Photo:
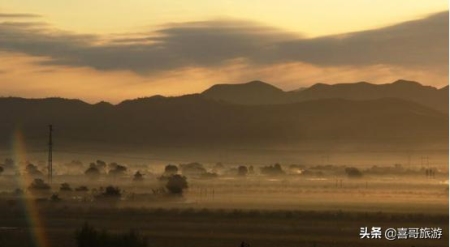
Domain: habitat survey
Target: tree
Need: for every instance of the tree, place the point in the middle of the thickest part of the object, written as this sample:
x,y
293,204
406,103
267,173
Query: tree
x,y
138,176
353,172
242,170
112,165
118,170
272,170
112,192
55,198
33,170
101,165
39,184
192,169
170,170
176,184
65,187
92,171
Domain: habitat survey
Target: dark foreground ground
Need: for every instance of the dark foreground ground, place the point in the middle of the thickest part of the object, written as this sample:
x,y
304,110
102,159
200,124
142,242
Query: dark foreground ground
x,y
211,227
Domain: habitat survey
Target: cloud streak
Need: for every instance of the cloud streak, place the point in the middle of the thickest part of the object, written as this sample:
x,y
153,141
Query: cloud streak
x,y
18,15
421,44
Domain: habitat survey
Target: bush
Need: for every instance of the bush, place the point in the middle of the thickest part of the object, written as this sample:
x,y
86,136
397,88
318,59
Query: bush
x,y
100,164
82,189
242,170
272,170
111,192
33,170
176,184
65,187
118,170
170,169
88,236
92,171
55,198
192,169
39,184
138,176
353,172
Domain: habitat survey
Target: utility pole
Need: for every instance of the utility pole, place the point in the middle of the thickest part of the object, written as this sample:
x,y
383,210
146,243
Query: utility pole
x,y
50,155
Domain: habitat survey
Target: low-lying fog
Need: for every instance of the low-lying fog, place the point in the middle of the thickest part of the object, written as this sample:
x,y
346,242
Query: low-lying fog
x,y
376,181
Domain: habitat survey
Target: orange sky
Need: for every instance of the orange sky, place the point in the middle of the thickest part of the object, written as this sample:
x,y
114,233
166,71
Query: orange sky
x,y
136,48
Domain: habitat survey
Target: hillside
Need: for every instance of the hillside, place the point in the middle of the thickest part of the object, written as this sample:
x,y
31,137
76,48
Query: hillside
x,y
195,120
257,93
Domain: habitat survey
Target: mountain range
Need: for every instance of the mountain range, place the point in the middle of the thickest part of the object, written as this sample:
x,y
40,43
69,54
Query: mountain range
x,y
254,113
257,93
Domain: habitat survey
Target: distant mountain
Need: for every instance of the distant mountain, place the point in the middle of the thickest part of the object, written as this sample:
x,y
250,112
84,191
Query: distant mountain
x,y
194,120
256,93
407,90
251,93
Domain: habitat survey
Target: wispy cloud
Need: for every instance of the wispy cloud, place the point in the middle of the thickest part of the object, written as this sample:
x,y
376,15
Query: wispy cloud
x,y
422,43
18,15
415,43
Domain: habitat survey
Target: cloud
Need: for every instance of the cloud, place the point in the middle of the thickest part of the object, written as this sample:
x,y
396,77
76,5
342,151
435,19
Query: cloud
x,y
421,43
18,15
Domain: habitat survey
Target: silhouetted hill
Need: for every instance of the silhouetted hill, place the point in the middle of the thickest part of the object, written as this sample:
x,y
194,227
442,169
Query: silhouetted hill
x,y
251,93
407,90
262,93
194,120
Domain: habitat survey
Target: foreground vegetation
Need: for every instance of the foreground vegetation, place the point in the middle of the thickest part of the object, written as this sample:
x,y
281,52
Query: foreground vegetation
x,y
208,227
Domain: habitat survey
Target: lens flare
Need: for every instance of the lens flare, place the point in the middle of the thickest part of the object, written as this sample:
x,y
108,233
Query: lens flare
x,y
36,227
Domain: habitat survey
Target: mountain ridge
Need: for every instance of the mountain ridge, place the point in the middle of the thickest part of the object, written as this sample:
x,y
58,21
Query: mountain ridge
x,y
403,89
192,120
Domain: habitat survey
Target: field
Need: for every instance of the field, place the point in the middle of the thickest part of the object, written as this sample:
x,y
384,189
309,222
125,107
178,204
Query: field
x,y
308,205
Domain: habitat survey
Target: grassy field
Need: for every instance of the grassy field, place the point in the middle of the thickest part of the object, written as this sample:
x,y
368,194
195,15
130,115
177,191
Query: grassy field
x,y
214,227
264,212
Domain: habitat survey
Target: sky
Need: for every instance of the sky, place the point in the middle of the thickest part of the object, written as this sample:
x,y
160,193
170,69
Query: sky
x,y
104,50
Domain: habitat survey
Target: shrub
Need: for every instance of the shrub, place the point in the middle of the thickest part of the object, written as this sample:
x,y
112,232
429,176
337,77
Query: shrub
x,y
92,171
33,170
65,187
272,170
88,236
353,172
176,184
195,169
55,198
112,191
242,170
39,184
138,176
170,169
118,170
